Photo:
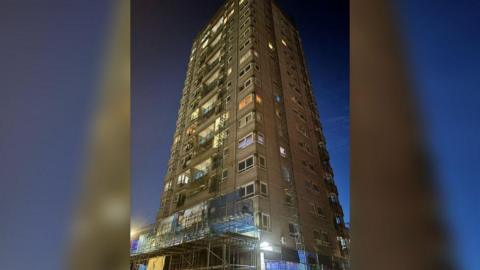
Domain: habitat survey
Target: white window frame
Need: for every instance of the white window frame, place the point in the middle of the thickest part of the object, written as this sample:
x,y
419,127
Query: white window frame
x,y
260,138
245,188
245,160
261,216
260,157
242,122
243,143
263,184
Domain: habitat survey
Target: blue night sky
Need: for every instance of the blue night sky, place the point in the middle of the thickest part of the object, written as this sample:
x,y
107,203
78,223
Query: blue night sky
x,y
161,46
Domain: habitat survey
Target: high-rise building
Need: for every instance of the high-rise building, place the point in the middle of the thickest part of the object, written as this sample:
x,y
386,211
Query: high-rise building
x,y
249,182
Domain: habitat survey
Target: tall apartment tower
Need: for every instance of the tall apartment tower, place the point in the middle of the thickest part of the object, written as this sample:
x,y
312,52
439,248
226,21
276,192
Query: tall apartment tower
x,y
249,182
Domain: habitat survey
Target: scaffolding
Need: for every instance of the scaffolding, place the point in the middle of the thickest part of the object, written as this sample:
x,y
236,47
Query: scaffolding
x,y
217,234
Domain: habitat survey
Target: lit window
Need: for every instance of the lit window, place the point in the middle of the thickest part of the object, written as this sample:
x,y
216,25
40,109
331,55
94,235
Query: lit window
x,y
258,98
260,138
284,43
270,46
168,186
217,25
283,152
247,190
213,77
205,43
194,114
217,39
245,141
246,164
245,101
202,169
183,178
209,105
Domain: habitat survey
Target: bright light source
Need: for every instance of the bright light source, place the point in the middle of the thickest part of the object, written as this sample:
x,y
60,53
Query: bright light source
x,y
266,246
270,46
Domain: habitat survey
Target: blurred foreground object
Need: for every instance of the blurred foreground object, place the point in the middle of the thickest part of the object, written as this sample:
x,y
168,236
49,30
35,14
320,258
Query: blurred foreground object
x,y
395,218
101,228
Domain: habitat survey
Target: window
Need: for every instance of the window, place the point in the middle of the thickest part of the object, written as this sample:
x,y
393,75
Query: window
x,y
247,68
224,174
194,114
264,221
278,98
261,162
244,44
283,152
286,174
246,119
246,164
245,141
284,43
180,198
217,25
168,186
214,42
247,54
260,138
258,99
270,45
244,102
293,229
246,190
202,169
208,106
247,83
263,188
183,178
